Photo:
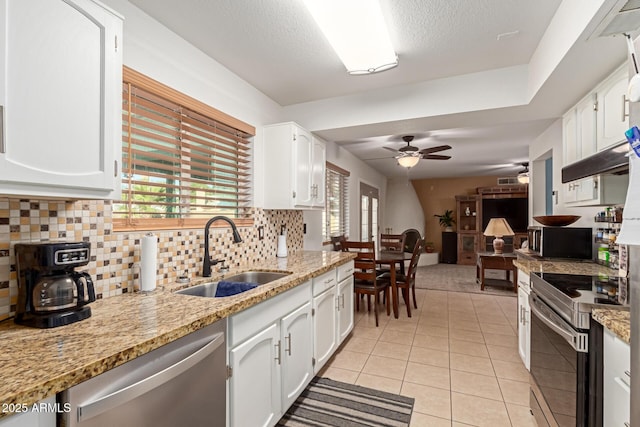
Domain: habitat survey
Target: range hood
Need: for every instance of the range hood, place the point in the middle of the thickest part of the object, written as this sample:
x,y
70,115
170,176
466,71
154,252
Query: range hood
x,y
623,17
613,160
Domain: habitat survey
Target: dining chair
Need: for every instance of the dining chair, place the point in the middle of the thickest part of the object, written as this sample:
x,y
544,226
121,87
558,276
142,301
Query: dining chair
x,y
337,241
408,282
392,242
365,276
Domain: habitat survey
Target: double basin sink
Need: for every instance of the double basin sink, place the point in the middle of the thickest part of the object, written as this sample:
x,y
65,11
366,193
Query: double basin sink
x,y
256,277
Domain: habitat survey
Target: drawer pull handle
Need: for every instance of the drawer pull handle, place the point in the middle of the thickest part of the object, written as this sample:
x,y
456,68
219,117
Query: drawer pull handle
x,y
626,424
627,373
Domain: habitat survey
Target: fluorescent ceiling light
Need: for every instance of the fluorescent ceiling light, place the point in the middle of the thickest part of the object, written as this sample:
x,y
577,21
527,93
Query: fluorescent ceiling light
x,y
408,161
357,32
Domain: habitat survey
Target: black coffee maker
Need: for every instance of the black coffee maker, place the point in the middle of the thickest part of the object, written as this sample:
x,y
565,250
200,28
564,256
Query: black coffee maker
x,y
50,292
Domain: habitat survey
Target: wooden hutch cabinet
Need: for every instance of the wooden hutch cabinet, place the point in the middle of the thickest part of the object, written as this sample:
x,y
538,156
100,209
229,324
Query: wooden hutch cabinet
x,y
470,217
468,220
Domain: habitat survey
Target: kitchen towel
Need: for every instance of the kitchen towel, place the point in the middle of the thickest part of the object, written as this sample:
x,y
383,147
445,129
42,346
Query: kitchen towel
x,y
148,262
630,230
225,289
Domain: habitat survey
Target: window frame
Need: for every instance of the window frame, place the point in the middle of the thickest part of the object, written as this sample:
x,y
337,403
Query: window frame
x,y
332,172
140,81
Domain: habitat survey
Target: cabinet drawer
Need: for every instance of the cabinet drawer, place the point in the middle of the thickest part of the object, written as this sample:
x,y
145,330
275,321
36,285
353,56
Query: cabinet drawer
x,y
617,356
345,271
324,282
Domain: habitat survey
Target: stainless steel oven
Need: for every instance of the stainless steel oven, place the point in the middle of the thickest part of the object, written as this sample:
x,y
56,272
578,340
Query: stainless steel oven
x,y
561,307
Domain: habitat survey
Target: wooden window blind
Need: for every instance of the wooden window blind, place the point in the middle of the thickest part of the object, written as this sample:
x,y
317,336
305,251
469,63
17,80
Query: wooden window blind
x,y
336,213
182,161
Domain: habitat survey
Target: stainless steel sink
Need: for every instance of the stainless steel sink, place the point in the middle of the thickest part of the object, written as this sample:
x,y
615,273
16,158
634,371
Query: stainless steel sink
x,y
259,277
209,289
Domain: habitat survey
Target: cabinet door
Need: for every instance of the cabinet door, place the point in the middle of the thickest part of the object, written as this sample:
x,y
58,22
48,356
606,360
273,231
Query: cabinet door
x,y
524,335
61,94
571,191
467,247
254,386
297,353
613,119
31,418
345,308
318,172
570,137
586,116
616,382
302,152
324,327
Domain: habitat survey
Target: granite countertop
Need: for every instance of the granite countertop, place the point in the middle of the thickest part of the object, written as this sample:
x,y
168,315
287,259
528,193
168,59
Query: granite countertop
x,y
37,363
617,321
528,263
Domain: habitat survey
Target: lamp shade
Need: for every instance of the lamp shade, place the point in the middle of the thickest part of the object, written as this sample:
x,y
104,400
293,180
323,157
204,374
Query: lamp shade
x,y
498,227
408,161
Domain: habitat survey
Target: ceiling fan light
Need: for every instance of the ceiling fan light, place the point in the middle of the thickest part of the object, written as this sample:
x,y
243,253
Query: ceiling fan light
x,y
523,177
408,161
357,32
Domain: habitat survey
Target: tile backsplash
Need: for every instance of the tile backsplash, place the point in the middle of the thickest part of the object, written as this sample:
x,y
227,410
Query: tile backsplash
x,y
115,255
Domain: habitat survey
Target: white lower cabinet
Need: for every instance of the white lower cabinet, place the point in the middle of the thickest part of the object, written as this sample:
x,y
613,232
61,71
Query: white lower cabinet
x,y
44,415
270,358
272,346
255,380
616,380
524,319
345,309
297,352
324,327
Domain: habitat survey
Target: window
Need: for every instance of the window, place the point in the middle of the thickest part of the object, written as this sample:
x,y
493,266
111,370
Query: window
x,y
335,218
182,161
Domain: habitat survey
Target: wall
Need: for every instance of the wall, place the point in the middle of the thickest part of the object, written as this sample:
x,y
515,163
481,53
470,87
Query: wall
x,y
438,194
403,209
115,255
360,172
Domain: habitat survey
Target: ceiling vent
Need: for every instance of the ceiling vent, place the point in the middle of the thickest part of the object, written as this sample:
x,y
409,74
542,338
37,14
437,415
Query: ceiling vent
x,y
624,17
508,180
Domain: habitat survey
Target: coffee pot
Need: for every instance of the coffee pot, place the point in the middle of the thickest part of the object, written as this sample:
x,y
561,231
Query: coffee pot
x,y
50,292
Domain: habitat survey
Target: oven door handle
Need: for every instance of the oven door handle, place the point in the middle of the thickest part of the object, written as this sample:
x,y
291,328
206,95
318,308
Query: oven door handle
x,y
575,339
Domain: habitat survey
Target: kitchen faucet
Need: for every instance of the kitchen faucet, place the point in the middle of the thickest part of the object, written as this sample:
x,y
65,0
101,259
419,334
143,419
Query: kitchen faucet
x,y
206,264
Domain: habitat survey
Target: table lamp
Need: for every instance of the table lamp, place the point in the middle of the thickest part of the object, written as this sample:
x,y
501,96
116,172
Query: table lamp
x,y
497,228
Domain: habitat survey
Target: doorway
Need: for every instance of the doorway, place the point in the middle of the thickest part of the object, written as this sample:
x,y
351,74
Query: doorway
x,y
369,206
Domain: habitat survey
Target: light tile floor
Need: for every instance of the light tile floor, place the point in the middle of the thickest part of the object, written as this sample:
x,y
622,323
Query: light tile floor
x,y
457,356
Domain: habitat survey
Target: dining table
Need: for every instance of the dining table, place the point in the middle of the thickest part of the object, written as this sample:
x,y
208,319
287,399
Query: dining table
x,y
393,258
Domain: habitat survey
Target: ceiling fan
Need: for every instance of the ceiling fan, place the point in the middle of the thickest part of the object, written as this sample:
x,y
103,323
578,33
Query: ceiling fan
x,y
409,155
523,175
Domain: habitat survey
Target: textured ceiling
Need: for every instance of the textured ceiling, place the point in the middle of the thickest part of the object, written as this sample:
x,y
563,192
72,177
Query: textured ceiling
x,y
276,47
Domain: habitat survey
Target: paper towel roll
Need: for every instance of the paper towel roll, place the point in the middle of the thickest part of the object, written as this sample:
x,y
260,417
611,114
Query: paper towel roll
x,y
148,262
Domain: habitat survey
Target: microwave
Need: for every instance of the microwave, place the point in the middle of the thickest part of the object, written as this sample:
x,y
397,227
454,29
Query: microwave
x,y
561,242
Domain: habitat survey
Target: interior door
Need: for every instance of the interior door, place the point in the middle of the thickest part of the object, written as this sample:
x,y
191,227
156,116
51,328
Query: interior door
x,y
369,207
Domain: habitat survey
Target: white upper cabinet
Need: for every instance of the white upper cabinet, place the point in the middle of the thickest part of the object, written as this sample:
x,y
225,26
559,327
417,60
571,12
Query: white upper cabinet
x,y
613,107
294,168
60,92
598,121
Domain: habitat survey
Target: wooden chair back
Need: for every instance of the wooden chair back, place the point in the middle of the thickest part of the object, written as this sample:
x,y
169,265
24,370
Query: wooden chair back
x,y
337,242
392,242
365,262
415,257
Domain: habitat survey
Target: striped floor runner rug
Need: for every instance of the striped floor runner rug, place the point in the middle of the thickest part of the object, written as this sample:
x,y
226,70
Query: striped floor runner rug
x,y
326,402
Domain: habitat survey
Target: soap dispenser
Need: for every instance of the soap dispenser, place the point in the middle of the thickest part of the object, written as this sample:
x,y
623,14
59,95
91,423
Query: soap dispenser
x,y
282,243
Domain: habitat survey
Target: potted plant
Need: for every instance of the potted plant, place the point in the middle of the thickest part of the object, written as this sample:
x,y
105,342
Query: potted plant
x,y
429,247
446,220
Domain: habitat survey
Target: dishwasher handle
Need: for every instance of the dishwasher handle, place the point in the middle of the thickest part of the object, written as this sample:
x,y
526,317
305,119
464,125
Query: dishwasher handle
x,y
125,394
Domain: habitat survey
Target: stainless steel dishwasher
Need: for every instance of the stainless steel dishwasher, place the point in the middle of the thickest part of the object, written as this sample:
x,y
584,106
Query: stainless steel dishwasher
x,y
182,383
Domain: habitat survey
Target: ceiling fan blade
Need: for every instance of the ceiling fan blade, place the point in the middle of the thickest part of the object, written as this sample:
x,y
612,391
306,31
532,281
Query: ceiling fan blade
x,y
435,157
390,149
378,158
435,149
